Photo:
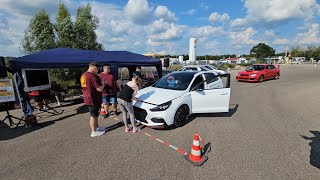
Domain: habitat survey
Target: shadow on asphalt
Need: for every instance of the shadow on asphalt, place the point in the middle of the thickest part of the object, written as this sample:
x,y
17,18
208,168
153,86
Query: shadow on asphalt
x,y
315,148
207,148
115,126
232,109
7,133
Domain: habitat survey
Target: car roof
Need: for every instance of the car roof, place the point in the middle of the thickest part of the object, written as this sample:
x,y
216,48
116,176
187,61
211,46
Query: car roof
x,y
196,65
185,72
195,72
263,64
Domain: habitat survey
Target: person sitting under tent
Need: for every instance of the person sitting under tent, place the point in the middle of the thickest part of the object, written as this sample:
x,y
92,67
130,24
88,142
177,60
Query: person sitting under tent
x,y
56,90
41,99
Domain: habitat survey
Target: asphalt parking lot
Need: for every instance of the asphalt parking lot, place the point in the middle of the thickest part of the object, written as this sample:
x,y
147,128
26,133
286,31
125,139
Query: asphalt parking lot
x,y
271,132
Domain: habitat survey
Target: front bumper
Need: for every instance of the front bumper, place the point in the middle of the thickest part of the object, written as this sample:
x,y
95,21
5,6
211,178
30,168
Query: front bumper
x,y
247,78
158,119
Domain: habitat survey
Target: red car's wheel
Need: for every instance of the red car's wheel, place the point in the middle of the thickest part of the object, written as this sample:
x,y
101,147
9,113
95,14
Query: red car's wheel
x,y
276,76
261,78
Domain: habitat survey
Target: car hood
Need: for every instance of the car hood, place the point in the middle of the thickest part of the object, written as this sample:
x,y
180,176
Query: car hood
x,y
158,96
248,72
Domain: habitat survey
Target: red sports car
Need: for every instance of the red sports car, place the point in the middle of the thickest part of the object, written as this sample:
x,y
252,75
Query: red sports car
x,y
259,73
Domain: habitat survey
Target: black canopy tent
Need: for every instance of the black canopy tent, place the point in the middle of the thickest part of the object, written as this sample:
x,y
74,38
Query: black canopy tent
x,y
77,58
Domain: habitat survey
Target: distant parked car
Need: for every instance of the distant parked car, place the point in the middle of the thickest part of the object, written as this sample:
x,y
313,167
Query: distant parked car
x,y
201,68
259,73
294,62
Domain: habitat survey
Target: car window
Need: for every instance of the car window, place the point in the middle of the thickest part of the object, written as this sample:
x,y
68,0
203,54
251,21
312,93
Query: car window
x,y
203,69
191,69
256,67
197,81
271,67
175,81
210,77
208,67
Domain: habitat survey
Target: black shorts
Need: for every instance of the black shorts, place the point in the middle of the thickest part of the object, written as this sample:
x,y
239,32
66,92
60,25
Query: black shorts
x,y
94,111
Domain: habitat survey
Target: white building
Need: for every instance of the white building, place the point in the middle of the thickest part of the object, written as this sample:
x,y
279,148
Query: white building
x,y
192,49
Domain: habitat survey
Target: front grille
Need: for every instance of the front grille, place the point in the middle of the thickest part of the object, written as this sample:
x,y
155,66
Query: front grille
x,y
140,114
244,75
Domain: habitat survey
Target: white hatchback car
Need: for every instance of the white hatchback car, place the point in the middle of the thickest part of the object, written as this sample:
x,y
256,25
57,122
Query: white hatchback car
x,y
174,97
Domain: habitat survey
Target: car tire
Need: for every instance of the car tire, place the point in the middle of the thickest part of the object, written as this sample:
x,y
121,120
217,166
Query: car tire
x,y
276,76
261,78
181,116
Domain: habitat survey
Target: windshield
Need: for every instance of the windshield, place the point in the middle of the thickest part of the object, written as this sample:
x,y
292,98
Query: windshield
x,y
210,67
256,68
178,81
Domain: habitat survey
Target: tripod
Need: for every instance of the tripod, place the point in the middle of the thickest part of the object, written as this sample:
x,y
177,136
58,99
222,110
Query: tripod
x,y
9,117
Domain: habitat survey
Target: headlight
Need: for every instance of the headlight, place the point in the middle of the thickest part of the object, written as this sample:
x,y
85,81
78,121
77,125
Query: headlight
x,y
253,75
162,107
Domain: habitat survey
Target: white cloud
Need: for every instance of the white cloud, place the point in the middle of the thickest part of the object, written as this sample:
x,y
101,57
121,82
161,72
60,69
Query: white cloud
x,y
164,13
213,46
310,37
239,22
204,6
190,12
270,33
280,10
245,37
282,41
214,17
138,11
172,32
28,8
205,31
158,26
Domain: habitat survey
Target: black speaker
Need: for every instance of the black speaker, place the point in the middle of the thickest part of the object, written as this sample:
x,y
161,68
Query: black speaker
x,y
166,62
3,69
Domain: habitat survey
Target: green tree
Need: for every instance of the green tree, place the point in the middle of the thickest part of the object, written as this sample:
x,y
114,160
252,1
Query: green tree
x,y
65,37
85,27
64,28
262,51
39,35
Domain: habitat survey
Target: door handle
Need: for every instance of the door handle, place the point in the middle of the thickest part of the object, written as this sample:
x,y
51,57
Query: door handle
x,y
224,94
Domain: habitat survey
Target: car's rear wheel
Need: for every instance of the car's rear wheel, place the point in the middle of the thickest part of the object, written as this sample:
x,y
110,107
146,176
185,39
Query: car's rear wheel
x,y
276,76
180,118
261,78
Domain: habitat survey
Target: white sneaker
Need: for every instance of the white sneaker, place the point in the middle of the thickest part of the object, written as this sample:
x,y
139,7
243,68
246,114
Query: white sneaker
x,y
97,133
101,128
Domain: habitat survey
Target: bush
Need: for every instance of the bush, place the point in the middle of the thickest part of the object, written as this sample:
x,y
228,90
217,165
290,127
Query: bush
x,y
175,67
226,66
247,64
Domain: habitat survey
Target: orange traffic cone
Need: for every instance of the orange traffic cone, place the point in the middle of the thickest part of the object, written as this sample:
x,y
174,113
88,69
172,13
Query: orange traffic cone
x,y
196,156
102,111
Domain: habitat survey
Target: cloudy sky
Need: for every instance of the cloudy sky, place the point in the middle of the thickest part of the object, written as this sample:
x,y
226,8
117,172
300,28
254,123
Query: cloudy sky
x,y
165,26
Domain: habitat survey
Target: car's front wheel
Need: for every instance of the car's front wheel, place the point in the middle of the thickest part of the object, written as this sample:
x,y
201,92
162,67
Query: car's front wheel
x,y
276,76
261,78
180,118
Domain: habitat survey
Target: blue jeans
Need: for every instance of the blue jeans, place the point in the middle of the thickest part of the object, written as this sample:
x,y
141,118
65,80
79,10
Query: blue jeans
x,y
109,99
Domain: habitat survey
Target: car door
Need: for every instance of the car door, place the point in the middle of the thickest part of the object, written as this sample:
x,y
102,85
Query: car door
x,y
268,72
205,100
272,71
